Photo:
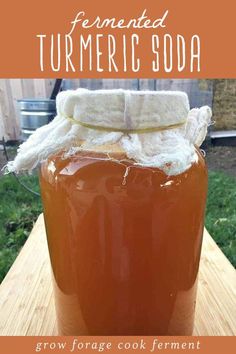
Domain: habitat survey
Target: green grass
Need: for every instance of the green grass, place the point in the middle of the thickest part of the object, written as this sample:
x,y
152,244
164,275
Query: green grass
x,y
221,213
19,209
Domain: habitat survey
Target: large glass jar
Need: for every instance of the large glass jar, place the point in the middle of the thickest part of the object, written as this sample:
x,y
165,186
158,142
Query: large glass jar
x,y
124,243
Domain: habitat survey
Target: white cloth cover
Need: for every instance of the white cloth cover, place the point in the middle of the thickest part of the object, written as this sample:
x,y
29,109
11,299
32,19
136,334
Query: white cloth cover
x,y
171,150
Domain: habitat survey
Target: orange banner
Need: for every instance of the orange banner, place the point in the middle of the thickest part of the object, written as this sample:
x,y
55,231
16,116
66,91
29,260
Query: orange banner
x,y
167,345
118,39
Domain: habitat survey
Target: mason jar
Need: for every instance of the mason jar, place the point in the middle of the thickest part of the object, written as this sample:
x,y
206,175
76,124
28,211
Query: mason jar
x,y
124,247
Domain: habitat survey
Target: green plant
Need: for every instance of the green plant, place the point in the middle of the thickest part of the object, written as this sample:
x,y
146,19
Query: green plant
x,y
18,211
221,212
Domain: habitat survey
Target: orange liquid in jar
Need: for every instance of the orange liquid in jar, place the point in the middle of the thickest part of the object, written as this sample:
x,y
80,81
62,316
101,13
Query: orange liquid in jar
x,y
124,251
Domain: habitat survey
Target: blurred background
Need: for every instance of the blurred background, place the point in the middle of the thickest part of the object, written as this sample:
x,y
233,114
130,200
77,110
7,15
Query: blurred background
x,y
26,104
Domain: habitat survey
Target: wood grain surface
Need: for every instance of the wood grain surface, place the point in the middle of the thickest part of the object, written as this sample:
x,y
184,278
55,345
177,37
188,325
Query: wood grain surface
x,y
26,296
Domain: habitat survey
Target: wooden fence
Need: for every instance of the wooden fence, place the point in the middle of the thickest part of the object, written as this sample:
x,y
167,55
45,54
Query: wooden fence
x,y
12,90
199,91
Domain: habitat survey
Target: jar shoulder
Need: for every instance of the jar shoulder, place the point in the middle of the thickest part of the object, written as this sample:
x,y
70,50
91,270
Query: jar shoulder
x,y
97,165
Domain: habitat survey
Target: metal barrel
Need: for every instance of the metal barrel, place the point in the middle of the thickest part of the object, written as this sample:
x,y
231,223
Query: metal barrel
x,y
35,113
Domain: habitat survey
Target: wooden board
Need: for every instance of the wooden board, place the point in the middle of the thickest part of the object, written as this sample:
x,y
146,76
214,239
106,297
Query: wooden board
x,y
26,297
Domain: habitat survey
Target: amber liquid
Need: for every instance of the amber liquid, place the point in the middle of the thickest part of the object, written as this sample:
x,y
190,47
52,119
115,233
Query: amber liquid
x,y
124,251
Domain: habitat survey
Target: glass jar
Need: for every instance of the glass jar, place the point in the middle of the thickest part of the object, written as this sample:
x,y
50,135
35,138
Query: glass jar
x,y
124,243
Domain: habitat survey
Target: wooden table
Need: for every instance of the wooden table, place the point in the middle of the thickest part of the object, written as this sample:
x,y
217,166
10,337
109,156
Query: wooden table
x,y
27,305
